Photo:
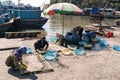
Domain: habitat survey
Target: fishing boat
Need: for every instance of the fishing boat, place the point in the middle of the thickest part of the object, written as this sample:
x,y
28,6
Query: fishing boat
x,y
108,12
5,22
30,17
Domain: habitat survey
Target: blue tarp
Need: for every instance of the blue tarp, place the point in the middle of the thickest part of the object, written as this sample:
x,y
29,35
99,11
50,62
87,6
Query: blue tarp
x,y
95,10
73,38
89,34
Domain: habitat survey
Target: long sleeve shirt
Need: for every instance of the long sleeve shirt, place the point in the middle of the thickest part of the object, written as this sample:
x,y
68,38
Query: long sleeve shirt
x,y
42,43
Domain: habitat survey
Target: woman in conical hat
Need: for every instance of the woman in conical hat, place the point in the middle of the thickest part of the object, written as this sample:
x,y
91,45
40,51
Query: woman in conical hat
x,y
42,43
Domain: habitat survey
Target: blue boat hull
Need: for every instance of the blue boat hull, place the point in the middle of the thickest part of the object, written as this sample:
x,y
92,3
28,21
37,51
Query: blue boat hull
x,y
25,24
6,26
30,17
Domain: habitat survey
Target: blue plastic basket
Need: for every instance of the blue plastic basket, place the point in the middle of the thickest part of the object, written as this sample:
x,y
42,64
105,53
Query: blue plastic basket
x,y
81,43
79,51
50,55
54,39
117,48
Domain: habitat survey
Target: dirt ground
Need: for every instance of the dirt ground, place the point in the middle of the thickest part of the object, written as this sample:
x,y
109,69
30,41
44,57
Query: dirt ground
x,y
95,65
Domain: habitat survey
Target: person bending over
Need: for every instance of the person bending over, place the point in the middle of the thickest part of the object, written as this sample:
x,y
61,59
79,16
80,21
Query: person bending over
x,y
14,60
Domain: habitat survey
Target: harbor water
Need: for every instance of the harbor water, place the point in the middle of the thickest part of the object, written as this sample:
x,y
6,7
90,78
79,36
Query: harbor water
x,y
56,23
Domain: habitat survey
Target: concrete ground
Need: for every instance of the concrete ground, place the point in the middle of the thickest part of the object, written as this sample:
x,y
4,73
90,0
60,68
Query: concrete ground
x,y
96,65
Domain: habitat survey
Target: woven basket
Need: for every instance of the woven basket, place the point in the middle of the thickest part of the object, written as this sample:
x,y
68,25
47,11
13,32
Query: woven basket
x,y
94,40
88,46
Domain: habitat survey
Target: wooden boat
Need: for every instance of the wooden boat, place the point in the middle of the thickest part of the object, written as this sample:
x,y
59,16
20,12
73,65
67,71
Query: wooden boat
x,y
33,23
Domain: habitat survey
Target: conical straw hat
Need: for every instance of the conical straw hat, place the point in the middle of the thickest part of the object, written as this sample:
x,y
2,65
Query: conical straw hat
x,y
42,34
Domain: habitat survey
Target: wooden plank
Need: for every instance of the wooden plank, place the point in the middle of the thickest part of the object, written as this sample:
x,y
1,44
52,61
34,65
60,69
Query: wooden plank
x,y
47,66
21,34
8,48
24,34
115,1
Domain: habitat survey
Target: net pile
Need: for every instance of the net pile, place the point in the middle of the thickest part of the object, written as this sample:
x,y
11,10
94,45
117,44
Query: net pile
x,y
33,64
56,47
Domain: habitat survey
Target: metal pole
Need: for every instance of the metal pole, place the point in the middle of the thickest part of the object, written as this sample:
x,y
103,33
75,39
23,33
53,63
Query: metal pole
x,y
63,26
19,7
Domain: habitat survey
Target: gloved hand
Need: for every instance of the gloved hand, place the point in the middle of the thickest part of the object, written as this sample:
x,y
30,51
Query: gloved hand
x,y
22,66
